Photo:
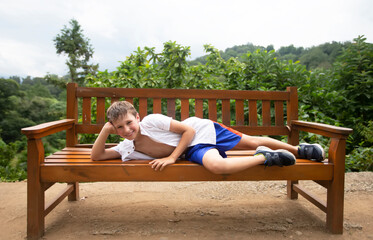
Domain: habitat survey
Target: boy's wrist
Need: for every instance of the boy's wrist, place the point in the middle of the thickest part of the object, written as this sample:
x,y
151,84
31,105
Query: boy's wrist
x,y
173,158
107,130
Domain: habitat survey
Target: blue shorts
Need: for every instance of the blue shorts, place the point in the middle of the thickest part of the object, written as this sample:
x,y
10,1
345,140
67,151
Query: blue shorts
x,y
226,139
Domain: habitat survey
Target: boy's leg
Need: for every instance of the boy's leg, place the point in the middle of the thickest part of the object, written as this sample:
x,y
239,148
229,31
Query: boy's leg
x,y
253,142
215,163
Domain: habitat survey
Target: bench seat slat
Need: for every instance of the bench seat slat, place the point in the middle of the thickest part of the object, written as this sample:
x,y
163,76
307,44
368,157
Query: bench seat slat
x,y
81,155
68,156
73,158
86,160
72,153
178,172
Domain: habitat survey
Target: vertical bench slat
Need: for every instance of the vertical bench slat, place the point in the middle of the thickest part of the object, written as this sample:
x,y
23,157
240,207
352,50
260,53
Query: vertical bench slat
x,y
266,113
240,114
114,99
143,107
129,99
157,105
212,110
199,108
71,113
253,118
279,109
184,109
171,107
292,114
86,110
100,110
226,112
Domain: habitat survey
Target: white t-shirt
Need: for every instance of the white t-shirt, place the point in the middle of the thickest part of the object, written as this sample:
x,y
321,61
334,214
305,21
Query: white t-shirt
x,y
157,127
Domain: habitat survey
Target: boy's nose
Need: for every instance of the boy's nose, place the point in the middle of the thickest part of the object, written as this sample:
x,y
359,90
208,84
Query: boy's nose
x,y
126,130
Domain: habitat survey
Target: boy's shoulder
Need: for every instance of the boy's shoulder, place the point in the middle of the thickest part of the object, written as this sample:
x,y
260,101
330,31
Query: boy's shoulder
x,y
156,120
155,117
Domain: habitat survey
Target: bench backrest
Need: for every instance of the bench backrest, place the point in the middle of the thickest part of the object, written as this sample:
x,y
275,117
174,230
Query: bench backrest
x,y
251,112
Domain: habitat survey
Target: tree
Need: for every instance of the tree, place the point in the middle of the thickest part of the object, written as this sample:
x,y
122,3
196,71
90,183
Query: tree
x,y
354,81
173,64
72,42
8,88
315,58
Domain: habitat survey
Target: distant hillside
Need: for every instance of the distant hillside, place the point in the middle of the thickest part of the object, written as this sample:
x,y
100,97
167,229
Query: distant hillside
x,y
321,56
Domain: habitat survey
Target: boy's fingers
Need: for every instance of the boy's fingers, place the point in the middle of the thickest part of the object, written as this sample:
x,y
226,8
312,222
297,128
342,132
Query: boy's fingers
x,y
159,166
155,165
162,167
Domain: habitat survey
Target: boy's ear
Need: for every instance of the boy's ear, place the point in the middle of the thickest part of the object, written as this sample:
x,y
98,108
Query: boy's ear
x,y
137,117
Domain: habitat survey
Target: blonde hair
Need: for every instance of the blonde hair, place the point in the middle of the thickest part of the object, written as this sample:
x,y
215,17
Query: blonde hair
x,y
118,109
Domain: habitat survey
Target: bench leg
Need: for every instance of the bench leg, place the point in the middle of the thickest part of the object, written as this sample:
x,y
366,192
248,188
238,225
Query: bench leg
x,y
35,191
74,195
35,210
334,214
335,193
290,191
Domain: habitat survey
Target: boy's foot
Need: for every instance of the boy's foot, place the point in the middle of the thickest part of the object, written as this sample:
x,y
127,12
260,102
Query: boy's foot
x,y
276,157
311,151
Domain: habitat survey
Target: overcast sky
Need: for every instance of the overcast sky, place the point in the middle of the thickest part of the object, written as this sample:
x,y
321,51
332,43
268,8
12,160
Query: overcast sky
x,y
117,28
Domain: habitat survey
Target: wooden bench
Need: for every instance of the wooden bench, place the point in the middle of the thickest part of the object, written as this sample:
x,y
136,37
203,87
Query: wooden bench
x,y
251,112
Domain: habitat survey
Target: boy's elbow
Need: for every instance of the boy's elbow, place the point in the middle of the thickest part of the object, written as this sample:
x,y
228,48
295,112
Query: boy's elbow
x,y
193,132
96,157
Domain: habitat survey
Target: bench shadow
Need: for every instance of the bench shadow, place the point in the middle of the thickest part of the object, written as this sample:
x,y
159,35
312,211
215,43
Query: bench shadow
x,y
215,219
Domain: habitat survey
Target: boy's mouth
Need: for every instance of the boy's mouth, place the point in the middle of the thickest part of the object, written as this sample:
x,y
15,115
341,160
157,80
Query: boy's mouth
x,y
129,134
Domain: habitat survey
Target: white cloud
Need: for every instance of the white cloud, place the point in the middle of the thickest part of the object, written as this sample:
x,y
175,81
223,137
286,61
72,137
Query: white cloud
x,y
23,59
116,27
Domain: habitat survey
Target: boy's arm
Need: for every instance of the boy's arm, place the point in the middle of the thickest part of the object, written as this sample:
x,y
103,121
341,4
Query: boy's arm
x,y
98,150
187,134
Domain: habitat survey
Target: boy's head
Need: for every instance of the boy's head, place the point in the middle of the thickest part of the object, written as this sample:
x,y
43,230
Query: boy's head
x,y
119,109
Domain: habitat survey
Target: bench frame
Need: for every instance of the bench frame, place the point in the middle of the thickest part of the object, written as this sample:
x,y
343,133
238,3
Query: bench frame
x,y
73,164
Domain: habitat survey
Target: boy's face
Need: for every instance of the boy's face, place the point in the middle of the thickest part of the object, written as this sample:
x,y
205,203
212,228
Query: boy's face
x,y
127,126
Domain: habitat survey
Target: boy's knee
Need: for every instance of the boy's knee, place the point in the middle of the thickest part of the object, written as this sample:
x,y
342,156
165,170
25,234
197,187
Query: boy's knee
x,y
217,166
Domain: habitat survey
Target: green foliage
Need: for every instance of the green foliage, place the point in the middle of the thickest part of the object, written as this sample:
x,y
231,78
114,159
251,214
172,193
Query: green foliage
x,y
8,90
146,69
360,159
25,103
11,170
72,42
173,64
353,74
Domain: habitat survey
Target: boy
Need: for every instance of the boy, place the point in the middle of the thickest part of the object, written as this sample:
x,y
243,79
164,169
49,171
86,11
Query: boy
x,y
163,140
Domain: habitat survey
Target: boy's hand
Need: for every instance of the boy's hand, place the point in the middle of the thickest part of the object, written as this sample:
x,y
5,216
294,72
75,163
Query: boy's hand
x,y
159,164
109,128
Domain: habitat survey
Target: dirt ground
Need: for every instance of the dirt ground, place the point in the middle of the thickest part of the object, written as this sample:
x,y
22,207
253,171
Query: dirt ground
x,y
190,210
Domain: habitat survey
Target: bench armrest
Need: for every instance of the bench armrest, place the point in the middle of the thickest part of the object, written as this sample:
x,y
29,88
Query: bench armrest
x,y
45,129
322,129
